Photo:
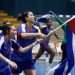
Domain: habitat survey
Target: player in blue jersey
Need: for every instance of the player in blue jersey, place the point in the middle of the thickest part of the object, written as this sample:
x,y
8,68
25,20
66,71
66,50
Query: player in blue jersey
x,y
45,24
27,34
5,52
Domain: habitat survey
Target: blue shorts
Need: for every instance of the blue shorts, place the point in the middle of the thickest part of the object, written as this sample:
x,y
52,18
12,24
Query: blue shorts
x,y
6,71
44,44
22,66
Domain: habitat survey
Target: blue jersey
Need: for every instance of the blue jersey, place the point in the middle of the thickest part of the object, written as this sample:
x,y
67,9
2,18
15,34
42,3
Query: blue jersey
x,y
18,56
5,50
45,30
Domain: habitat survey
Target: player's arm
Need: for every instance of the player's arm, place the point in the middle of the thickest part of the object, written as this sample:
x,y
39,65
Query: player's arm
x,y
11,63
17,47
25,49
30,35
23,34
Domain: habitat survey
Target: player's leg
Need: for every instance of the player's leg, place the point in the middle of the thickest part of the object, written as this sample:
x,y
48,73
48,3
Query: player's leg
x,y
29,67
51,52
40,52
30,72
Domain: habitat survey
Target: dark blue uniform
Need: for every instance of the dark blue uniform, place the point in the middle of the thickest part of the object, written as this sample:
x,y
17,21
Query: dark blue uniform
x,y
45,31
24,60
5,50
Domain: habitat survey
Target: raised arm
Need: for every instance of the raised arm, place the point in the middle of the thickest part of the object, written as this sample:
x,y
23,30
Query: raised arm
x,y
25,49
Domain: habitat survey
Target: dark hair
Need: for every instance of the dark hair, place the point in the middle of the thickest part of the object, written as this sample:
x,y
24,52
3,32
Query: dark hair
x,y
22,17
5,29
43,20
19,17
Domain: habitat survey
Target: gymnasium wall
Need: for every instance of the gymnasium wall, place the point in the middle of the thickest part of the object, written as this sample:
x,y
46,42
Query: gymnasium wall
x,y
38,6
